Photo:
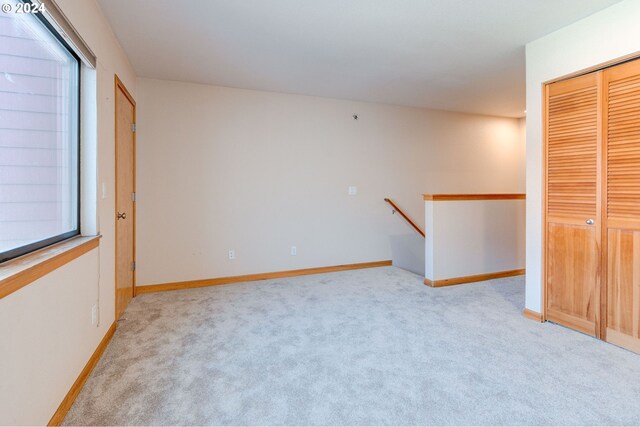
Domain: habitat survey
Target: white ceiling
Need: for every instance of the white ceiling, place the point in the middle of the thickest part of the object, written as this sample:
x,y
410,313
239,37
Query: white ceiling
x,y
461,55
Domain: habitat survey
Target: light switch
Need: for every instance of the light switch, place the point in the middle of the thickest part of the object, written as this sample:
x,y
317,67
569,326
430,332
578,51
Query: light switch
x,y
353,190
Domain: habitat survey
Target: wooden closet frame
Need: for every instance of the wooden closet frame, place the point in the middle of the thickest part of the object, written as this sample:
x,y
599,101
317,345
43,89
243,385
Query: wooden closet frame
x,y
601,196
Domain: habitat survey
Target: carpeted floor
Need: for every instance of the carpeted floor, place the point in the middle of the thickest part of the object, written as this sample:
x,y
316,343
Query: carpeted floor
x,y
358,347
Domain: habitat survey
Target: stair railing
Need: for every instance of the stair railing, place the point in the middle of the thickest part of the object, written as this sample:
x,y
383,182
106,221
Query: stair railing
x,y
403,215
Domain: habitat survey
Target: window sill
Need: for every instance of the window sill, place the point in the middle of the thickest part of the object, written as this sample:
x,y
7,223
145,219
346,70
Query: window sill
x,y
19,272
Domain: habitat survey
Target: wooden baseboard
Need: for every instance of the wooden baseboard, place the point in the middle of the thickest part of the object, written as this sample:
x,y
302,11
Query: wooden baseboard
x,y
68,400
474,278
253,277
533,315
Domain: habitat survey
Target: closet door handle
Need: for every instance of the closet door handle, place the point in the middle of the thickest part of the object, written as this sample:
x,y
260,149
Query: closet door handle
x,y
589,221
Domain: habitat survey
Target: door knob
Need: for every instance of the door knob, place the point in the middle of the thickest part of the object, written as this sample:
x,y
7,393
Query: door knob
x,y
121,215
589,221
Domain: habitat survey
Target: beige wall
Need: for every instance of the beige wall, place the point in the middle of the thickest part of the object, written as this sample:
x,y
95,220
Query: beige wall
x,y
604,36
470,237
46,335
259,172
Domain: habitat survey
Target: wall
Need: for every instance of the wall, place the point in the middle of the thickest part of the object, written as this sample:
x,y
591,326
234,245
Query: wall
x,y
45,328
472,237
604,36
259,172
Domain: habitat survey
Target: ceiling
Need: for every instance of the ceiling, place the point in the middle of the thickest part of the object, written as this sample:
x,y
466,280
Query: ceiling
x,y
459,55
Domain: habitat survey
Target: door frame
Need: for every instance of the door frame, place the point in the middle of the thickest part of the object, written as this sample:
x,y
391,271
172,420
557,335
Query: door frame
x,y
119,85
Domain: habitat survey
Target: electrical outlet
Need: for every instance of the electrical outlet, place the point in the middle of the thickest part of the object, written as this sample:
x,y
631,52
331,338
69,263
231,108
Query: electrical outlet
x,y
294,251
94,314
353,190
232,254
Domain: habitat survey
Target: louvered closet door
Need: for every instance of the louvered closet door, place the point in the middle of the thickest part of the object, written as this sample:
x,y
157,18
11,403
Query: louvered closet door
x,y
573,203
622,142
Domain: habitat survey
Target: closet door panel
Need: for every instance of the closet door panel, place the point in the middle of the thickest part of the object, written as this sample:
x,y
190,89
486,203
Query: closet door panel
x,y
573,202
623,288
572,266
622,188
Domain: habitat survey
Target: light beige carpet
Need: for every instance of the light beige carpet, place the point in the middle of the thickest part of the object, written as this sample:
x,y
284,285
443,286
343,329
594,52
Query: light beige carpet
x,y
359,347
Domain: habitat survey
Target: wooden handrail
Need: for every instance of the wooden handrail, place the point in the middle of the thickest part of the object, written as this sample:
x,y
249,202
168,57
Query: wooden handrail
x,y
450,197
406,218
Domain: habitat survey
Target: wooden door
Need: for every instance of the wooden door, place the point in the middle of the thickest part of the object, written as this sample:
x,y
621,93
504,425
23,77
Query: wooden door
x,y
572,204
125,113
622,193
